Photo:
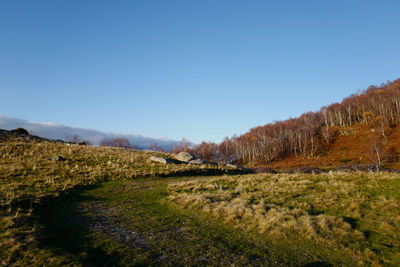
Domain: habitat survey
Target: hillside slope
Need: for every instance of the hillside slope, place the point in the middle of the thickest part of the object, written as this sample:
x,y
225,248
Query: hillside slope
x,y
35,170
355,144
362,129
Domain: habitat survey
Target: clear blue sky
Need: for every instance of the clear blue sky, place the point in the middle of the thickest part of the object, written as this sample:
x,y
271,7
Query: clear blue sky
x,y
196,69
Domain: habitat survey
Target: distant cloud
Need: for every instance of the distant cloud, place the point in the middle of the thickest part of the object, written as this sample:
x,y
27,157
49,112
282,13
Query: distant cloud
x,y
57,131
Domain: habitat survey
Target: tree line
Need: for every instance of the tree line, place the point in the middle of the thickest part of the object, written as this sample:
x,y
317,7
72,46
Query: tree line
x,y
307,135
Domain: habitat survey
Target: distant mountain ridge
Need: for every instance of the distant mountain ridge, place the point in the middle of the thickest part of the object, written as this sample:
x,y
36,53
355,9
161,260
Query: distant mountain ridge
x,y
62,132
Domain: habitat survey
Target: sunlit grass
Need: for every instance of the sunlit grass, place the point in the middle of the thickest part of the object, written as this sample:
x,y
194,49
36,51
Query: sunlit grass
x,y
356,214
28,175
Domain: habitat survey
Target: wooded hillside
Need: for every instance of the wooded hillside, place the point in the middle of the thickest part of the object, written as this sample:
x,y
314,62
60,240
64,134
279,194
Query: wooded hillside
x,y
373,114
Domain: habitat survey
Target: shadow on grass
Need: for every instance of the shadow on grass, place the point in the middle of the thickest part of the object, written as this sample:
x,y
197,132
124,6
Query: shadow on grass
x,y
352,221
65,230
205,172
64,227
318,264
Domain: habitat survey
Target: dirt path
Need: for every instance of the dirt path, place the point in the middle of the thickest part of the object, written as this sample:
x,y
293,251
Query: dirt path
x,y
130,223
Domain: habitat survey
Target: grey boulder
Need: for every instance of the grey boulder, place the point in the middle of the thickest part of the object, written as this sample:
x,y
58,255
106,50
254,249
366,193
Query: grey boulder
x,y
161,160
231,166
184,157
196,162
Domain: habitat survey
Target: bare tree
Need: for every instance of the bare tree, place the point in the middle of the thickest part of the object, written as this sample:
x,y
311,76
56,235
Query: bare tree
x,y
116,142
377,107
155,147
73,139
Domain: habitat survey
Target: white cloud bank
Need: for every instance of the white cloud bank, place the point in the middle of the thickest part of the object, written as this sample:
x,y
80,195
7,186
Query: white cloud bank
x,y
58,131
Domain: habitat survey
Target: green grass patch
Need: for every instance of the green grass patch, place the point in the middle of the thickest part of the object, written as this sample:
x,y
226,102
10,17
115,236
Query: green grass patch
x,y
353,216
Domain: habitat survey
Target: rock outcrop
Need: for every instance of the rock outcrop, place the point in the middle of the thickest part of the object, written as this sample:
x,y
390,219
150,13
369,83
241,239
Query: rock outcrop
x,y
159,159
21,131
184,157
266,170
231,166
196,162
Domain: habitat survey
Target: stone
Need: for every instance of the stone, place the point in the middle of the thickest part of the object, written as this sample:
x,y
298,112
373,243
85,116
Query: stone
x,y
159,159
196,162
231,166
57,158
266,170
184,157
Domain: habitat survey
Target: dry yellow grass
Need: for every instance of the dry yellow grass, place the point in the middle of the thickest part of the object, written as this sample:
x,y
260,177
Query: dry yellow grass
x,y
27,175
26,170
357,214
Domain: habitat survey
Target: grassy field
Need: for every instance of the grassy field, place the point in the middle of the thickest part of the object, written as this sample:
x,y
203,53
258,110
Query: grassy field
x,y
112,207
28,171
129,223
344,218
29,175
132,223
